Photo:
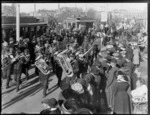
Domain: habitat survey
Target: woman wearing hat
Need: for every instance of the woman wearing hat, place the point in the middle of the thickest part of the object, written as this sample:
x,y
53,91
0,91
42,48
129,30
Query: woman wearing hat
x,y
121,97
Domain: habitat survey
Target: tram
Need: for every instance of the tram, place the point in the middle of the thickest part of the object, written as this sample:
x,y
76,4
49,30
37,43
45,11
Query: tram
x,y
27,30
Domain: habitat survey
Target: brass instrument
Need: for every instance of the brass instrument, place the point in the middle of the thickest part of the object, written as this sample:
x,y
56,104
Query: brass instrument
x,y
6,62
87,51
65,63
21,55
42,66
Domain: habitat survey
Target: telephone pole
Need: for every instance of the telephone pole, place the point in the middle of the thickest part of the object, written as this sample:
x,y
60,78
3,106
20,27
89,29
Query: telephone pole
x,y
17,21
34,9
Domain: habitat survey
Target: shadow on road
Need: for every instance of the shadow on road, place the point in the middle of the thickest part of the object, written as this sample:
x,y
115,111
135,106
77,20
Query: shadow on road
x,y
22,95
9,90
30,83
52,89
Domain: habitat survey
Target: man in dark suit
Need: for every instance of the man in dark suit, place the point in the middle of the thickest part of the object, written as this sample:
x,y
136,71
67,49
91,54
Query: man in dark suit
x,y
58,71
110,74
75,65
129,52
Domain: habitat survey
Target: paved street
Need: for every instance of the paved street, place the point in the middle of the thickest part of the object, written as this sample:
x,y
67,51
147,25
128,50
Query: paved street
x,y
28,99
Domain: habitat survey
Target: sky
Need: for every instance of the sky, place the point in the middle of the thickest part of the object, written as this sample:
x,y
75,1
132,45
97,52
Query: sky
x,y
29,7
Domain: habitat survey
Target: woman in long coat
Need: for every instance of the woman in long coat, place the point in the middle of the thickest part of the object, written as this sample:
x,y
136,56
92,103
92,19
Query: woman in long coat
x,y
121,97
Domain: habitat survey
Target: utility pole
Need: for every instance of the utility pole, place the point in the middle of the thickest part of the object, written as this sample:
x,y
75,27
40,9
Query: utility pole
x,y
34,9
17,21
59,7
86,9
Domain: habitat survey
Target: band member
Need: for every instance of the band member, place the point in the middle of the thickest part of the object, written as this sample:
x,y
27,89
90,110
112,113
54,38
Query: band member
x,y
26,64
83,65
43,78
58,71
7,70
18,62
11,42
75,65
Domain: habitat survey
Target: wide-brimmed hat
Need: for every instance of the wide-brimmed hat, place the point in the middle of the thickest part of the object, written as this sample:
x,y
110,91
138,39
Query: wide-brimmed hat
x,y
51,102
77,87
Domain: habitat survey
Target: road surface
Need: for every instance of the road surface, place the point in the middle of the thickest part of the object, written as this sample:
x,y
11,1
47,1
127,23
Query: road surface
x,y
28,99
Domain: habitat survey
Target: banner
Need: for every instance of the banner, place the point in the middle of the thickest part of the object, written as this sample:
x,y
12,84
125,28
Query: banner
x,y
103,16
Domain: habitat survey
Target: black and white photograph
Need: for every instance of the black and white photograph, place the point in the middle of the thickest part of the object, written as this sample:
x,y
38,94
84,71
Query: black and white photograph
x,y
74,58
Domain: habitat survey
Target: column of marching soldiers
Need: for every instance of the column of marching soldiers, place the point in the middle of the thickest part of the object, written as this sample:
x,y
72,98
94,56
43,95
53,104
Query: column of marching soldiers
x,y
97,77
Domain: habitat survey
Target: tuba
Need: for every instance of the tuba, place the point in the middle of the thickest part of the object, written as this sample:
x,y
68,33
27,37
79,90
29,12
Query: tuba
x,y
42,66
65,63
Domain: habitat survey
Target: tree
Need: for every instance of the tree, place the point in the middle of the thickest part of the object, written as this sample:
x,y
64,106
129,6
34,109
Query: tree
x,y
91,13
9,10
66,12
